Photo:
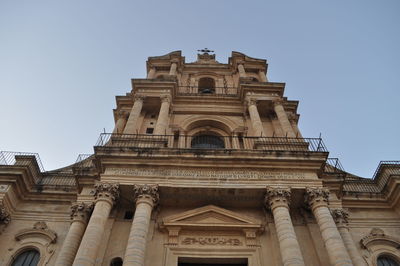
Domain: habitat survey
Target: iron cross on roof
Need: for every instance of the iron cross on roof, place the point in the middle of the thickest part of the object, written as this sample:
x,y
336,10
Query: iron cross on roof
x,y
205,51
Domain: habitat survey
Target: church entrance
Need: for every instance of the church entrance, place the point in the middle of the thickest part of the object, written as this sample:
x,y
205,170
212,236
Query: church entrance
x,y
212,262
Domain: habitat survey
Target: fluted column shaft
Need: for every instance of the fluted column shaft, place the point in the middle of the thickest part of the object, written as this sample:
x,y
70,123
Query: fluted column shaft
x,y
318,201
106,195
278,200
146,198
341,218
132,123
255,119
235,141
162,121
283,119
242,72
80,215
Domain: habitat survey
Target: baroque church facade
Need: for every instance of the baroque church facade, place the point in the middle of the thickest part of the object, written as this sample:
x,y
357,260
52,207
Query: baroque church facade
x,y
205,166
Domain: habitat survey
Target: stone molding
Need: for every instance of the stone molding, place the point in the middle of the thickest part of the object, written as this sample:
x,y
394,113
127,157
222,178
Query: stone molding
x,y
146,192
106,191
378,237
81,211
277,197
5,217
316,197
39,230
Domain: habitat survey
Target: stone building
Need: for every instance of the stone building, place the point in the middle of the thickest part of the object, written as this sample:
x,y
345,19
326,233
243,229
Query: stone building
x,y
205,166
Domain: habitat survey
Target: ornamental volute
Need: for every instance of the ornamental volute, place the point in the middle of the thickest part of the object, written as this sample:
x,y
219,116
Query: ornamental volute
x,y
316,197
80,211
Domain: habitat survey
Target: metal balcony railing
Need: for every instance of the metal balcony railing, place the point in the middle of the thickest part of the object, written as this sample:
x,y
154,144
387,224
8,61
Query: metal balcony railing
x,y
10,158
208,142
207,92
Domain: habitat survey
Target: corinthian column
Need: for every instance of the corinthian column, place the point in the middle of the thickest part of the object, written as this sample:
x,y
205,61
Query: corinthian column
x,y
255,118
146,198
80,213
278,200
120,124
341,218
317,198
106,194
132,125
162,120
283,119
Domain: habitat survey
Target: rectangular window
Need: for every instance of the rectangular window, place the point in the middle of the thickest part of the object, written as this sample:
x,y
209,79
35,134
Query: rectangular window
x,y
149,130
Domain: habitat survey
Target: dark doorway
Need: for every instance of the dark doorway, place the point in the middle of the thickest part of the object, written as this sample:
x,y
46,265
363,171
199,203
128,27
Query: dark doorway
x,y
212,262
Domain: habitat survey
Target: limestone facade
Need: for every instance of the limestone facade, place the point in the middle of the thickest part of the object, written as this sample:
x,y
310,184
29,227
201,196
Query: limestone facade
x,y
205,166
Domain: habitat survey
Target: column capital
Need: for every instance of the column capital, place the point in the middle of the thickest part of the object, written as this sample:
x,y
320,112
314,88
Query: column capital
x,y
278,101
80,211
251,101
340,216
165,98
5,217
147,193
138,98
316,197
277,197
107,191
122,114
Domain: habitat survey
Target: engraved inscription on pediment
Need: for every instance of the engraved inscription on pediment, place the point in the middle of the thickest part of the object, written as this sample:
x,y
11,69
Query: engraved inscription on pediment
x,y
184,228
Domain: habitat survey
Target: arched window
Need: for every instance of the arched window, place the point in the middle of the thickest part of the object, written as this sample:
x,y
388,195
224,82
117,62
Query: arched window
x,y
27,258
387,261
206,85
207,142
116,262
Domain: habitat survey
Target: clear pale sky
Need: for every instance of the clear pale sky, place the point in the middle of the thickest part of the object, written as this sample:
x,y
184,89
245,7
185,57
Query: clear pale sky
x,y
63,62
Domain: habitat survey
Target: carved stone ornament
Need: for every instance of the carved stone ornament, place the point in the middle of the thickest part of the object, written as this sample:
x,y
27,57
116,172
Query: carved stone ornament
x,y
251,102
316,195
278,102
39,230
122,114
81,210
5,217
165,98
138,97
276,195
146,191
378,237
107,191
340,216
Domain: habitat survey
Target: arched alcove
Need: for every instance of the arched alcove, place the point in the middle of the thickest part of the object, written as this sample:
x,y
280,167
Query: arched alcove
x,y
206,85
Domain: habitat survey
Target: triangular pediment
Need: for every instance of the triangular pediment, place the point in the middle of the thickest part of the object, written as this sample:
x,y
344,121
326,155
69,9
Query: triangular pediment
x,y
209,216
